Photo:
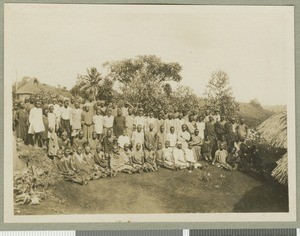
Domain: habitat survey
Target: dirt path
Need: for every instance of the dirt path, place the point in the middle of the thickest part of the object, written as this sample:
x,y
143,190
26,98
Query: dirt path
x,y
166,191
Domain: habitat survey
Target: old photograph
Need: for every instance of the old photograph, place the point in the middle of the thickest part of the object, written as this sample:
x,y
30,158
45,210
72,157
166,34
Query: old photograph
x,y
149,112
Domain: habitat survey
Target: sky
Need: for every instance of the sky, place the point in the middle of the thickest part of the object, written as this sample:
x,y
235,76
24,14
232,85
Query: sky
x,y
254,45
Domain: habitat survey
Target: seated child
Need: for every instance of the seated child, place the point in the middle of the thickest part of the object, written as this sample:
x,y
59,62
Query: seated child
x,y
64,141
179,157
220,159
150,163
159,155
191,158
138,156
117,162
206,148
169,162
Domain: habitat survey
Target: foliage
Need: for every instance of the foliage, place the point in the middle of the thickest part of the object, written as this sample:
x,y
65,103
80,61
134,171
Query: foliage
x,y
219,94
256,103
144,80
93,85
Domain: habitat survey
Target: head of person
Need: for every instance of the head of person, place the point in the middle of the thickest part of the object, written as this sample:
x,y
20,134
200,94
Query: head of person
x,y
223,138
109,112
206,138
151,114
149,147
124,132
159,146
162,128
207,112
115,149
129,111
217,112
126,146
167,144
94,135
180,116
191,118
50,129
196,132
139,128
87,107
54,101
77,105
66,103
38,104
242,121
119,112
64,136
190,146
59,102
151,126
45,111
179,145
232,120
140,112
67,151
170,116
211,119
221,147
59,154
51,109
98,112
109,133
26,100
138,146
133,127
172,129
184,127
79,150
72,100
80,134
98,148
233,150
200,118
87,149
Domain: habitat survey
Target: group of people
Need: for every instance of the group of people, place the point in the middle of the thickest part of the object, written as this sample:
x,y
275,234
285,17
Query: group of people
x,y
95,139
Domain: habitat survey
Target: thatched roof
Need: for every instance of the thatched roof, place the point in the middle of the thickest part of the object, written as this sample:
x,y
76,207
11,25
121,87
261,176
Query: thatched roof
x,y
274,130
31,86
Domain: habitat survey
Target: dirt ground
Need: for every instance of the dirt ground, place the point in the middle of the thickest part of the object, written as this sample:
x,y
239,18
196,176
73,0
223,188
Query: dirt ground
x,y
165,191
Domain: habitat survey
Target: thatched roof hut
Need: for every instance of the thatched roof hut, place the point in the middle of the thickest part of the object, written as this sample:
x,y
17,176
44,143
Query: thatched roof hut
x,y
274,130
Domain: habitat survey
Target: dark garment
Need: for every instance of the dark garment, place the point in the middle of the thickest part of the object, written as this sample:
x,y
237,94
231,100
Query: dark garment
x,y
210,130
108,144
65,126
230,135
46,125
63,144
206,147
150,139
119,125
79,142
21,122
220,129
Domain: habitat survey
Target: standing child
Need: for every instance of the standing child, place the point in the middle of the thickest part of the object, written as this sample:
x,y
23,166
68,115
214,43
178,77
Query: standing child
x,y
53,143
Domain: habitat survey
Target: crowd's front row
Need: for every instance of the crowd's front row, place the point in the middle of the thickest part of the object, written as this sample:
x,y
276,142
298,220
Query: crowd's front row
x,y
93,159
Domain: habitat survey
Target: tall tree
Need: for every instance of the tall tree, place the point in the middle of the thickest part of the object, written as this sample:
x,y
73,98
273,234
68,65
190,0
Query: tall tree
x,y
144,79
90,83
219,95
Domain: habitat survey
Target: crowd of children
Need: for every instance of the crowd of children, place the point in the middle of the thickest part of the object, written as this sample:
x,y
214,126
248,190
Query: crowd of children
x,y
92,140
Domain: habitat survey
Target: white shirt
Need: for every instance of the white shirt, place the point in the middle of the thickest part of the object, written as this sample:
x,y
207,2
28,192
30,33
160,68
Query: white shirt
x,y
122,140
201,128
139,120
98,123
167,154
189,155
172,138
138,137
178,155
65,113
51,120
56,110
108,121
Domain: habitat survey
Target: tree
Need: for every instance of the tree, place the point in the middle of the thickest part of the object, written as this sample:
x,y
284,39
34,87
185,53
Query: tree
x,y
90,83
144,79
256,103
219,95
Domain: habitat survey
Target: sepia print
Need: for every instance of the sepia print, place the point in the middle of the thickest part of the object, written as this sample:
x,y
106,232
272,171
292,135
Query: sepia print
x,y
149,113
